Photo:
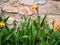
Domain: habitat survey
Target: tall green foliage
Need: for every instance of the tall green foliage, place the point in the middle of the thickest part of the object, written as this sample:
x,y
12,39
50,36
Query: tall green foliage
x,y
30,32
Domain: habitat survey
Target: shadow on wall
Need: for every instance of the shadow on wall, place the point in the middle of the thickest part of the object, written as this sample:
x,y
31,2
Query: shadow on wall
x,y
56,0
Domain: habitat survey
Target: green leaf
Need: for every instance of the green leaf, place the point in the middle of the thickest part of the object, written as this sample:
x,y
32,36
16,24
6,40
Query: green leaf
x,y
2,32
5,20
43,20
41,34
55,34
33,31
52,41
44,43
38,18
1,19
14,27
7,36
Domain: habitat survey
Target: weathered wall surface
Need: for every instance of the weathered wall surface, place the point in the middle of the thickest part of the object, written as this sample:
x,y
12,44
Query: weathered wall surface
x,y
16,9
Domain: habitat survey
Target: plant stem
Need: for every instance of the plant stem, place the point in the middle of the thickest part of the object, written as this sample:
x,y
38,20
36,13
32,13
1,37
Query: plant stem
x,y
47,40
0,41
37,12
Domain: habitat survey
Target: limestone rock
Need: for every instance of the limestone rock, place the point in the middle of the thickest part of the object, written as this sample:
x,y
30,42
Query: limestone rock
x,y
1,1
0,9
25,11
31,2
49,8
10,20
16,8
10,8
12,1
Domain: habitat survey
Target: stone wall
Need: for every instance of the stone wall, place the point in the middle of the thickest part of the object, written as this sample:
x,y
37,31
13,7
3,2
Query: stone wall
x,y
17,9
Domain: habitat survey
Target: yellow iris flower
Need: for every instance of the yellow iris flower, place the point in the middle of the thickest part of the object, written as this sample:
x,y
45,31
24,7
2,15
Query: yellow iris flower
x,y
34,7
2,24
56,27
